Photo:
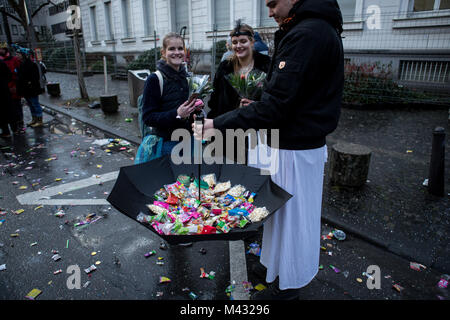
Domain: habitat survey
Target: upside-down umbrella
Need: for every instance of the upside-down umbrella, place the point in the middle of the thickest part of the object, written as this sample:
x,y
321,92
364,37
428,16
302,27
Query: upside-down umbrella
x,y
136,185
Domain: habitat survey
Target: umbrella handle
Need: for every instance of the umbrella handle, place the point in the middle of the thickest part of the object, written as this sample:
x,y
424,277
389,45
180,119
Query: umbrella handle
x,y
200,117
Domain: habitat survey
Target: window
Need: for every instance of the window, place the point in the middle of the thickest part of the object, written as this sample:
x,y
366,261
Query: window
x,y
445,4
222,14
149,25
58,8
264,19
181,10
348,8
108,21
126,18
15,30
59,28
429,5
93,23
425,71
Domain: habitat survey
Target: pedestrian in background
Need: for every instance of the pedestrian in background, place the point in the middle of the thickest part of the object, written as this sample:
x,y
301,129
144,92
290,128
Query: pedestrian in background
x,y
302,99
16,113
5,98
28,86
227,54
260,46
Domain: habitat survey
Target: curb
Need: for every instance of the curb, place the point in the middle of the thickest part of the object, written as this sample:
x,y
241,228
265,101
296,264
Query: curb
x,y
354,232
100,126
376,242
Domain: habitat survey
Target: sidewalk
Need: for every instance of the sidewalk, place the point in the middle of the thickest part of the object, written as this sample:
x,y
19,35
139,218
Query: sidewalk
x,y
393,210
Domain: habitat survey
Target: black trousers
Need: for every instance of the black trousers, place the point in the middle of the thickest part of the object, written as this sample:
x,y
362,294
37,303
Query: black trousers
x,y
11,116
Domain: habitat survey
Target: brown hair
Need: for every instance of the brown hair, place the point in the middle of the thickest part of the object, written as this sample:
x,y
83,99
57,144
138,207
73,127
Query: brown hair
x,y
165,41
240,28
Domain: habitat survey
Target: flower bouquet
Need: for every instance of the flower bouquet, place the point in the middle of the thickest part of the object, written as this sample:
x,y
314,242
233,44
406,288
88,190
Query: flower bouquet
x,y
199,86
249,87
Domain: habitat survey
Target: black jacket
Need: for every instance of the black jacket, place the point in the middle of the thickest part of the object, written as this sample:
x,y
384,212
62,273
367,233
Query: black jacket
x,y
303,93
159,111
5,78
224,97
28,84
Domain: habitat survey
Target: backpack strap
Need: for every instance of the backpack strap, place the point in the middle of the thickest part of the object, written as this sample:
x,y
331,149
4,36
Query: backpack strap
x,y
161,81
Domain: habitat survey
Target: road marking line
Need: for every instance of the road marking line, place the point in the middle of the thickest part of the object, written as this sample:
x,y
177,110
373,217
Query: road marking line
x,y
39,197
238,269
73,202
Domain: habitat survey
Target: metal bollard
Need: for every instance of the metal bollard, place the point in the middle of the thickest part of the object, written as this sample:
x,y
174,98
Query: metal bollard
x,y
436,174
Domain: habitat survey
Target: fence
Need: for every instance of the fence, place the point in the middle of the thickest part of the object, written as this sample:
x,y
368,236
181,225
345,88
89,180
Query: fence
x,y
393,60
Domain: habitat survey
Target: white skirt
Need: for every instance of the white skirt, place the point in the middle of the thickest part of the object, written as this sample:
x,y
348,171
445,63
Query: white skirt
x,y
291,238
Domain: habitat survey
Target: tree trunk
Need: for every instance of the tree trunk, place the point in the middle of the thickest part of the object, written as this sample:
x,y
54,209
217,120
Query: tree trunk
x,y
81,83
349,164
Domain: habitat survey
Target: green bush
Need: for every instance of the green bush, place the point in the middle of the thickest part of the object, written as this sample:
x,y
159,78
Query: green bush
x,y
220,50
373,84
145,60
59,58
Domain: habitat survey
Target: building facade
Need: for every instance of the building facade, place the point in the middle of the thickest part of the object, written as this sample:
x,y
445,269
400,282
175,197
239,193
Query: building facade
x,y
408,34
129,27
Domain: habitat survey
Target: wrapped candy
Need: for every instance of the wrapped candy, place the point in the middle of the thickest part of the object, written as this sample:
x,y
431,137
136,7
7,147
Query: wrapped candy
x,y
178,189
222,207
161,194
184,179
208,229
258,214
238,212
222,187
210,179
144,218
236,191
172,199
156,209
157,226
161,204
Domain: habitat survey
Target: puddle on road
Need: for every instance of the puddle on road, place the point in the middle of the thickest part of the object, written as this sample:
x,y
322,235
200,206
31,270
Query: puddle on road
x,y
75,127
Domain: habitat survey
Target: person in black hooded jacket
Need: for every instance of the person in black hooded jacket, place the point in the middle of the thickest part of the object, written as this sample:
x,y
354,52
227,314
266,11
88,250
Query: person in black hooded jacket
x,y
29,87
302,99
5,97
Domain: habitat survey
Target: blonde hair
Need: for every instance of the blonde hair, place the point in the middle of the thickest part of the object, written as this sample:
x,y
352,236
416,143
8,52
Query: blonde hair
x,y
165,41
240,27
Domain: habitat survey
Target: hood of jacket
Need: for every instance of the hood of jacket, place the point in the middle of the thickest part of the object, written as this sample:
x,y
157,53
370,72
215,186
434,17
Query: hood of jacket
x,y
170,72
323,9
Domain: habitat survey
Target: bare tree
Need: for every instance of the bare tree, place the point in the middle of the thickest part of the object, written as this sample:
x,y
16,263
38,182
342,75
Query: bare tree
x,y
24,14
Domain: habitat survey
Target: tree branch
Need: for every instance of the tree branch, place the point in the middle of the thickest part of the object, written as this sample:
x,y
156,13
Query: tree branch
x,y
11,16
41,6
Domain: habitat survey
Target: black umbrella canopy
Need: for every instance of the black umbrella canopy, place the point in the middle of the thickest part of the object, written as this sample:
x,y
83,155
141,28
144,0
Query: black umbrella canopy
x,y
136,185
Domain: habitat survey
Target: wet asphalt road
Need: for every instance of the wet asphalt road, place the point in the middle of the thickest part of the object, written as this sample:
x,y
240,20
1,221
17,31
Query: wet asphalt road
x,y
64,150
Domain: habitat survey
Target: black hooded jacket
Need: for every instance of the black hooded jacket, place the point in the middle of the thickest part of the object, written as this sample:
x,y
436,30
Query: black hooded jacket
x,y
303,92
28,84
160,109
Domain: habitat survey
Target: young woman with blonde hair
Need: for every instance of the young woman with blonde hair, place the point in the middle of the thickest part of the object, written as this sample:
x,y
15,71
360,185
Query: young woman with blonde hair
x,y
170,109
243,60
